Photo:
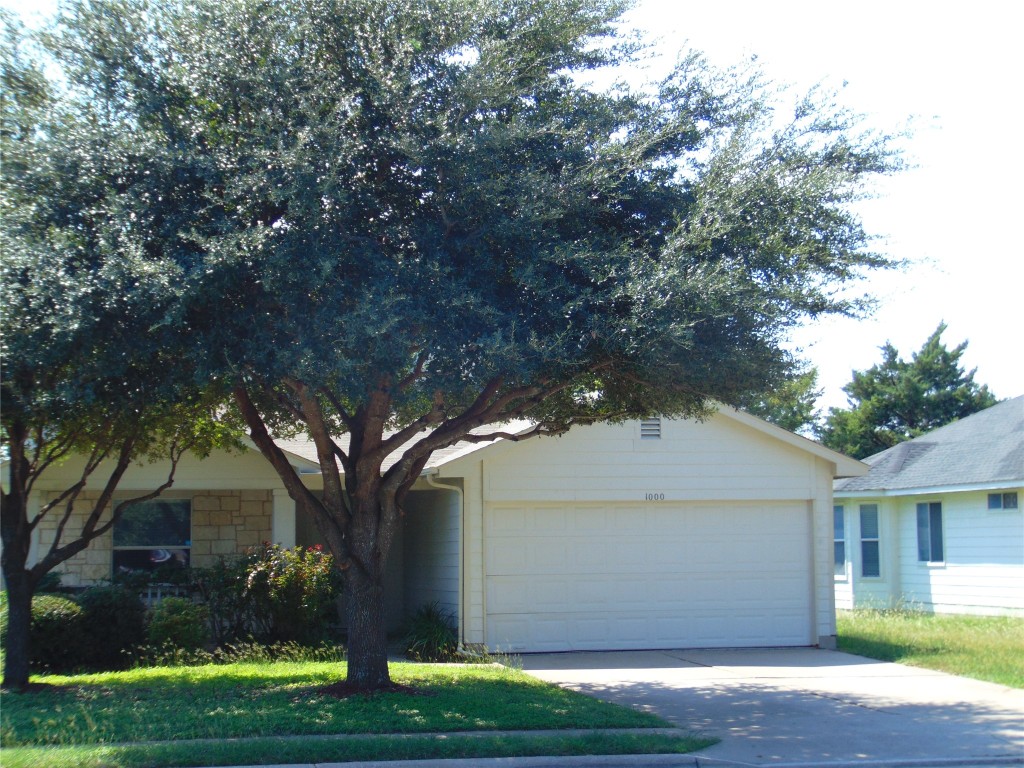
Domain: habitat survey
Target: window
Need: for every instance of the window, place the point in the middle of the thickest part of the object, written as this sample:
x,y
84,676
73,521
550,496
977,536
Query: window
x,y
650,429
870,554
929,532
153,534
1002,500
839,539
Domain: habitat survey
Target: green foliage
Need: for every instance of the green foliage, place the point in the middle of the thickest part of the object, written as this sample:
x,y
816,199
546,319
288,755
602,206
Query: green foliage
x,y
49,583
792,404
294,593
179,623
235,653
57,623
113,621
898,400
273,594
331,189
431,635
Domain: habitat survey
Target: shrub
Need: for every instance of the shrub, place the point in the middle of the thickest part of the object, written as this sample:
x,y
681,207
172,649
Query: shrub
x,y
113,621
57,623
431,635
294,593
50,582
236,653
177,622
272,594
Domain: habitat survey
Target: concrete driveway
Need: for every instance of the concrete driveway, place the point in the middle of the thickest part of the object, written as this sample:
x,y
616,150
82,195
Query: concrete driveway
x,y
792,706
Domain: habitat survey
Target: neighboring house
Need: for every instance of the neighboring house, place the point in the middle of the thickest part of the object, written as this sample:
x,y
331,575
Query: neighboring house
x,y
937,523
653,534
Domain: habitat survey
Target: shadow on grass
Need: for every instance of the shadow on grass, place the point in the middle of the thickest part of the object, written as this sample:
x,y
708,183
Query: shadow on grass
x,y
227,702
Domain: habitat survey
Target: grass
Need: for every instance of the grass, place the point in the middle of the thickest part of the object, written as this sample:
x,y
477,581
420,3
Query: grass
x,y
284,751
981,647
112,719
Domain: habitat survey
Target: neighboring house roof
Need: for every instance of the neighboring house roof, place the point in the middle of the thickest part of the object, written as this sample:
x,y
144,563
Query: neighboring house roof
x,y
985,449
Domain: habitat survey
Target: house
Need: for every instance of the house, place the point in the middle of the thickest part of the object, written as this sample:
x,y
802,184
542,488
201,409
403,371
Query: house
x,y
937,522
652,534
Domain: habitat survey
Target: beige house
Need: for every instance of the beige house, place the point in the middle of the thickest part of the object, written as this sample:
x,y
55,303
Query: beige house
x,y
653,534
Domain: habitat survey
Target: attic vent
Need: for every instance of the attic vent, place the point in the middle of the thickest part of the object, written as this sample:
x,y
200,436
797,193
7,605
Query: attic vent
x,y
650,429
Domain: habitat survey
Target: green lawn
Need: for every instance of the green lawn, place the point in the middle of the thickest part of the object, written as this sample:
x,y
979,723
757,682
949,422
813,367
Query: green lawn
x,y
982,647
91,720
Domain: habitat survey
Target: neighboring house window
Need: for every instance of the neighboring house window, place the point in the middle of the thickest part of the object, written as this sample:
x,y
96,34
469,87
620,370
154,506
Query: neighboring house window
x,y
870,552
650,429
1002,500
839,539
153,534
929,532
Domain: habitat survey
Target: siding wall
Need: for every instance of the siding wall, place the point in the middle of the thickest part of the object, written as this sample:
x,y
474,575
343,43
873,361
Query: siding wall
x,y
716,460
983,570
431,533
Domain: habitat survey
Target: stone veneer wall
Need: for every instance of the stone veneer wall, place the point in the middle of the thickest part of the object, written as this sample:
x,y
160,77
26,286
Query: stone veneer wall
x,y
223,523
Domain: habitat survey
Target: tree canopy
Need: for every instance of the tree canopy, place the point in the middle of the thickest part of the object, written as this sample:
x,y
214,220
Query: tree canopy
x,y
402,221
87,370
898,400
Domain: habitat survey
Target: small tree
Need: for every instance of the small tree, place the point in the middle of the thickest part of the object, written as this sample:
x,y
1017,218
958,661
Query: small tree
x,y
399,224
898,400
88,375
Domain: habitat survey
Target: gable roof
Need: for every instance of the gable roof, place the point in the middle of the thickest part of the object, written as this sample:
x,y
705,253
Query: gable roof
x,y
983,449
304,448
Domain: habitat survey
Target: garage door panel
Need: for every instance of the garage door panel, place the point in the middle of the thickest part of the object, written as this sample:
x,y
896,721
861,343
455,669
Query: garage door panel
x,y
588,577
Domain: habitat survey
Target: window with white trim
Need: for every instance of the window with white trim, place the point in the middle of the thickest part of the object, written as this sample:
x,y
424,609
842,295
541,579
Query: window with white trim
x,y
870,549
153,534
839,539
929,532
1002,500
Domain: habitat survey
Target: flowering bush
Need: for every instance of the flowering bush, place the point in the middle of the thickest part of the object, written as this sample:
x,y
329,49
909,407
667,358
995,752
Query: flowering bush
x,y
272,594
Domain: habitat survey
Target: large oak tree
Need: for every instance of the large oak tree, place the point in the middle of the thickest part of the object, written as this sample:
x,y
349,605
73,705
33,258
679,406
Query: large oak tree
x,y
394,223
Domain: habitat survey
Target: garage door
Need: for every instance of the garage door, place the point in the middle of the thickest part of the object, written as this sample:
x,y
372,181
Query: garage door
x,y
589,577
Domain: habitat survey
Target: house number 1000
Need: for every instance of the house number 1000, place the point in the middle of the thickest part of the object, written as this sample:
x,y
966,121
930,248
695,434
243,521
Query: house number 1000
x,y
654,497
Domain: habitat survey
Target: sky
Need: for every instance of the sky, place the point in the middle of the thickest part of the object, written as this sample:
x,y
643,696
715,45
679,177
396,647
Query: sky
x,y
950,72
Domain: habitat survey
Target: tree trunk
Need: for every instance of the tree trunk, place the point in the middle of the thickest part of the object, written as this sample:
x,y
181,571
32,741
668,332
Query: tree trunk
x,y
367,637
19,620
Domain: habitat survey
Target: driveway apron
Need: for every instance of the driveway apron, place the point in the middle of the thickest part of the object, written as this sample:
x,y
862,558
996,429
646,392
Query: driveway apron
x,y
803,705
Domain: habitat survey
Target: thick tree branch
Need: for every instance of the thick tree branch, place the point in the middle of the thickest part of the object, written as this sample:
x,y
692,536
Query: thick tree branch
x,y
266,445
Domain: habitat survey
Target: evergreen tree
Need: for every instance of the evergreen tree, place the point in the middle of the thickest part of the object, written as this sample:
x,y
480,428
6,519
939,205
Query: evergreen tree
x,y
791,405
898,400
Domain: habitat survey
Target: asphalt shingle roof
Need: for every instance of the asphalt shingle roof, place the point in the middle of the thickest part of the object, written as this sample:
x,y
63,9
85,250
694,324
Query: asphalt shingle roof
x,y
304,447
986,447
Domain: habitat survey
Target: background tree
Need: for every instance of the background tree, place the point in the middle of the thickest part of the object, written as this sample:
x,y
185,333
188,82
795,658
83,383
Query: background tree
x,y
898,400
86,374
396,226
790,405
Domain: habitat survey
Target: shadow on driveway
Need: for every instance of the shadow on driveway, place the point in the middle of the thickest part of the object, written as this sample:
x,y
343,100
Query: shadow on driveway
x,y
803,705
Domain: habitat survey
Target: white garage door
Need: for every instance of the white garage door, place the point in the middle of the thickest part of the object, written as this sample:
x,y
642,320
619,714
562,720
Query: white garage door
x,y
589,577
